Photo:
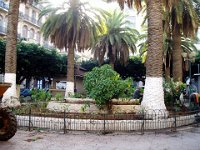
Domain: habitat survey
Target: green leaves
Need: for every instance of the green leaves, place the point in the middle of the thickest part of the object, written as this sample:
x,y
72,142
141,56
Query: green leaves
x,y
172,91
116,38
70,25
35,61
103,84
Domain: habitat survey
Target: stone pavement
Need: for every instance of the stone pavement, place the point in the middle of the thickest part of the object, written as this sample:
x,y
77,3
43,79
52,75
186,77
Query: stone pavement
x,y
187,139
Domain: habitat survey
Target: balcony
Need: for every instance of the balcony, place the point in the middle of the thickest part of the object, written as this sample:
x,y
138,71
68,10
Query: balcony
x,y
30,19
4,6
38,6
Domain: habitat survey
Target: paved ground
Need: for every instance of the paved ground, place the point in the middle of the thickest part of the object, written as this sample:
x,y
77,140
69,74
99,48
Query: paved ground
x,y
189,139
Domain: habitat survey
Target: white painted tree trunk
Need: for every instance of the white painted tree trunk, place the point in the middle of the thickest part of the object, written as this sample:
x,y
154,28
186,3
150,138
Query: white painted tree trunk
x,y
69,89
153,98
10,96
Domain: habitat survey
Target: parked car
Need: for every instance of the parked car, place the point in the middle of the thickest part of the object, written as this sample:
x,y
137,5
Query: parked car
x,y
25,92
61,85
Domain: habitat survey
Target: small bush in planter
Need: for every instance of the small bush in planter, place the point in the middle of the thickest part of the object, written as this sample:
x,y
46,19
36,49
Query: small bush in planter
x,y
38,95
172,92
104,84
59,97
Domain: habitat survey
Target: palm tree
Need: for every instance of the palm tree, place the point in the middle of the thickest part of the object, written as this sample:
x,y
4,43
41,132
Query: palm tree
x,y
153,92
116,39
187,45
183,20
71,27
10,56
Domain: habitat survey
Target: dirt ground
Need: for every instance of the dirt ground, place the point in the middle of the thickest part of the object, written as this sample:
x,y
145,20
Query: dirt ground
x,y
187,139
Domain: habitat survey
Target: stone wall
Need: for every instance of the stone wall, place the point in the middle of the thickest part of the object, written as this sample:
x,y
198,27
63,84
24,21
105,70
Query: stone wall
x,y
77,105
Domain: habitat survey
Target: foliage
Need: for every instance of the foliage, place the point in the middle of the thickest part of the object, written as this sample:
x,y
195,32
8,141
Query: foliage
x,y
187,44
89,64
40,95
103,84
78,95
172,91
35,61
85,106
183,15
134,68
59,97
69,25
116,40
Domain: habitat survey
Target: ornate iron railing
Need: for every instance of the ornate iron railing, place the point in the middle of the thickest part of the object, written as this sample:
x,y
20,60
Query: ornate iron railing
x,y
30,19
36,116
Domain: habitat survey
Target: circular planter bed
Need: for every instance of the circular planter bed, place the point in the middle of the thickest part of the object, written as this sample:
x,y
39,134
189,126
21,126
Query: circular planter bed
x,y
87,106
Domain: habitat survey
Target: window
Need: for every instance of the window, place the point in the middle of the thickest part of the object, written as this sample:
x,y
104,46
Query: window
x,y
33,18
27,11
32,34
25,31
39,84
34,14
38,37
6,21
1,21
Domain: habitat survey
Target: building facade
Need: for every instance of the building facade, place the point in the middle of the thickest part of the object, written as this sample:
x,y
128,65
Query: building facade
x,y
29,24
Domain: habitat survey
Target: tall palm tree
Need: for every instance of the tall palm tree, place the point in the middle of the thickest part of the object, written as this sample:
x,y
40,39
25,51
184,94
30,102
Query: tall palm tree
x,y
71,27
116,39
187,45
153,92
183,20
10,56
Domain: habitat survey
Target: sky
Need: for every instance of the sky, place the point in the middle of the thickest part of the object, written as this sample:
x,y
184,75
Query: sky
x,y
95,3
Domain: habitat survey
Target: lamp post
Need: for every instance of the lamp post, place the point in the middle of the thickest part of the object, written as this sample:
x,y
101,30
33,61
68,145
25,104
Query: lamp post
x,y
190,58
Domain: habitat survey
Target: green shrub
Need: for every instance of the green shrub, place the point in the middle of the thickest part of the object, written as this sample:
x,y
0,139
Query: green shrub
x,y
38,95
103,84
172,91
78,95
59,97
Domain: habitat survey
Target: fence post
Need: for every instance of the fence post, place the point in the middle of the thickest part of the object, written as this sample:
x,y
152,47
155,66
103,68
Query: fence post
x,y
29,121
64,122
142,126
175,120
104,124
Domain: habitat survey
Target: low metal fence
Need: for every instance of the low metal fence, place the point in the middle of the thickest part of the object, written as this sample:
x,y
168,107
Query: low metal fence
x,y
35,116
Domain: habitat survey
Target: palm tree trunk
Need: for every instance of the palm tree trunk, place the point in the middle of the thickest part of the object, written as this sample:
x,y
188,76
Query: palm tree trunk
x,y
153,98
11,54
112,61
70,73
167,73
176,55
111,56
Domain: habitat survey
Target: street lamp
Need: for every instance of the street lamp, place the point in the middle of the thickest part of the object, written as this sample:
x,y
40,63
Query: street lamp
x,y
190,57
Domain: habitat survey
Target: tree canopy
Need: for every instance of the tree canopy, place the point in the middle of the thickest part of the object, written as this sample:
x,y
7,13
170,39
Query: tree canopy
x,y
35,61
116,38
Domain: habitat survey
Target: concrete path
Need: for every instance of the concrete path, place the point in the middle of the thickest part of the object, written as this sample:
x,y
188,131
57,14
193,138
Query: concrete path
x,y
187,139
